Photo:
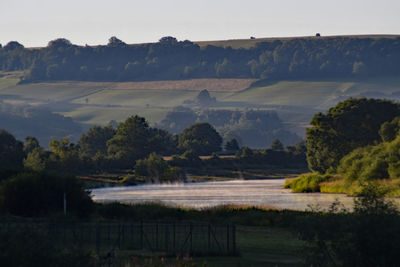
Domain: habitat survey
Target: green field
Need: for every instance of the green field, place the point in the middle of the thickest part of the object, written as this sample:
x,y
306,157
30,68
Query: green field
x,y
99,102
262,246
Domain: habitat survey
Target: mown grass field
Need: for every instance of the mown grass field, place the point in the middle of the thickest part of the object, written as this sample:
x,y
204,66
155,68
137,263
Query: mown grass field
x,y
263,246
312,94
8,80
257,246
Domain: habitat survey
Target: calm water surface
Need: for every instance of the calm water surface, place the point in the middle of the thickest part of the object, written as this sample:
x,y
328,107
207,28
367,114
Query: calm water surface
x,y
209,194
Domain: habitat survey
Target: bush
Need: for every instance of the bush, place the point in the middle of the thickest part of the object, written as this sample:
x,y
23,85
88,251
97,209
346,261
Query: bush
x,y
372,162
30,247
369,236
40,194
156,169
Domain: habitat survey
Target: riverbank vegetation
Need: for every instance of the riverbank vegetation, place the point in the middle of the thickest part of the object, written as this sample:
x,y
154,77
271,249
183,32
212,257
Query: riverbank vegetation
x,y
355,143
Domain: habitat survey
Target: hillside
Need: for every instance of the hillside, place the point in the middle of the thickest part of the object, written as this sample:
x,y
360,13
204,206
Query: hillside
x,y
294,76
99,102
294,58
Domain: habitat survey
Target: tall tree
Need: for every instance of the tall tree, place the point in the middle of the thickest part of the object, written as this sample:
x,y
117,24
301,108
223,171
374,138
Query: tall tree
x,y
11,151
31,143
95,141
202,138
65,155
130,142
232,145
276,145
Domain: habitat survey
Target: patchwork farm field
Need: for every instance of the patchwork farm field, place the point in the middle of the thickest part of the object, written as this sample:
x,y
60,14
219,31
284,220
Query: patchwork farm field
x,y
99,102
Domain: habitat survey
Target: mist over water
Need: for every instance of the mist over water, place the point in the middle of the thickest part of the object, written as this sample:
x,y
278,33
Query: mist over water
x,y
261,193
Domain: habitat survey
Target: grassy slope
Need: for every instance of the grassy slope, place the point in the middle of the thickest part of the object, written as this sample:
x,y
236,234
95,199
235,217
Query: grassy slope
x,y
296,101
312,94
8,79
262,246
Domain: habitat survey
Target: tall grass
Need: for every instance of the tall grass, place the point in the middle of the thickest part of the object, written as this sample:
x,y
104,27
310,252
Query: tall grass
x,y
306,183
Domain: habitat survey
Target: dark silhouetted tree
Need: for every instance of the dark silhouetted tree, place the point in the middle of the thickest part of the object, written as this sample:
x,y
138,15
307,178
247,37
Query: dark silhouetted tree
x,y
202,138
232,145
11,151
277,145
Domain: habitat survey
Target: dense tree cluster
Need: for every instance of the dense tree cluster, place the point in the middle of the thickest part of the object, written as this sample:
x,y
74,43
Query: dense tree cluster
x,y
172,59
200,137
155,169
253,128
350,124
245,158
104,148
134,142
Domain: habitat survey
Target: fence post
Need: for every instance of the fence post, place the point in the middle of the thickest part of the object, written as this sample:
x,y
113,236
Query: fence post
x,y
227,238
119,236
156,235
174,237
109,233
191,238
234,239
132,245
98,238
166,236
209,238
141,234
123,235
65,234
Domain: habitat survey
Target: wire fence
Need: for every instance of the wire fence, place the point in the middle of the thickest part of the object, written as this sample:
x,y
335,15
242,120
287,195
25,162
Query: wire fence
x,y
169,237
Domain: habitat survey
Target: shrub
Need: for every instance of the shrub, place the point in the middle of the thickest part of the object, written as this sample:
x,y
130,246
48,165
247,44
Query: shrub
x,y
156,169
39,194
30,247
372,162
369,236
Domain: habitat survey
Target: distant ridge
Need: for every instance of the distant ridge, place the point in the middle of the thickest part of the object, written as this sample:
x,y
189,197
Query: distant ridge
x,y
247,43
252,42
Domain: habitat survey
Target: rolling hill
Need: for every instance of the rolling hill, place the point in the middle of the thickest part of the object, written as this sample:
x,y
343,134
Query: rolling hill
x,y
100,102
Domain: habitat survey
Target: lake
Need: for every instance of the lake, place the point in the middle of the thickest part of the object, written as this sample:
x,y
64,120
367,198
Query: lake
x,y
262,193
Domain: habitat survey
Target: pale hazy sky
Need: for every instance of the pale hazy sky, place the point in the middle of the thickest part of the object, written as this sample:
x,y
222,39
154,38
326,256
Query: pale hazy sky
x,y
36,22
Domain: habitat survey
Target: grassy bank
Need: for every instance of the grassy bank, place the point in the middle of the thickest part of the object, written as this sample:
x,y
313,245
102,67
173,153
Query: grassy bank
x,y
326,183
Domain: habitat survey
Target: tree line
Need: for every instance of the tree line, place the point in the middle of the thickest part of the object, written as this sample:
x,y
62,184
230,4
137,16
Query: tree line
x,y
133,144
254,128
299,58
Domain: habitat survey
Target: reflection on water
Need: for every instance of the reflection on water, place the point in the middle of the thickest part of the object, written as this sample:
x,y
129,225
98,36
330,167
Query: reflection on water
x,y
208,194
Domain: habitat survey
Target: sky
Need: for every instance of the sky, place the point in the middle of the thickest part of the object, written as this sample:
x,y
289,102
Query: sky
x,y
34,23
